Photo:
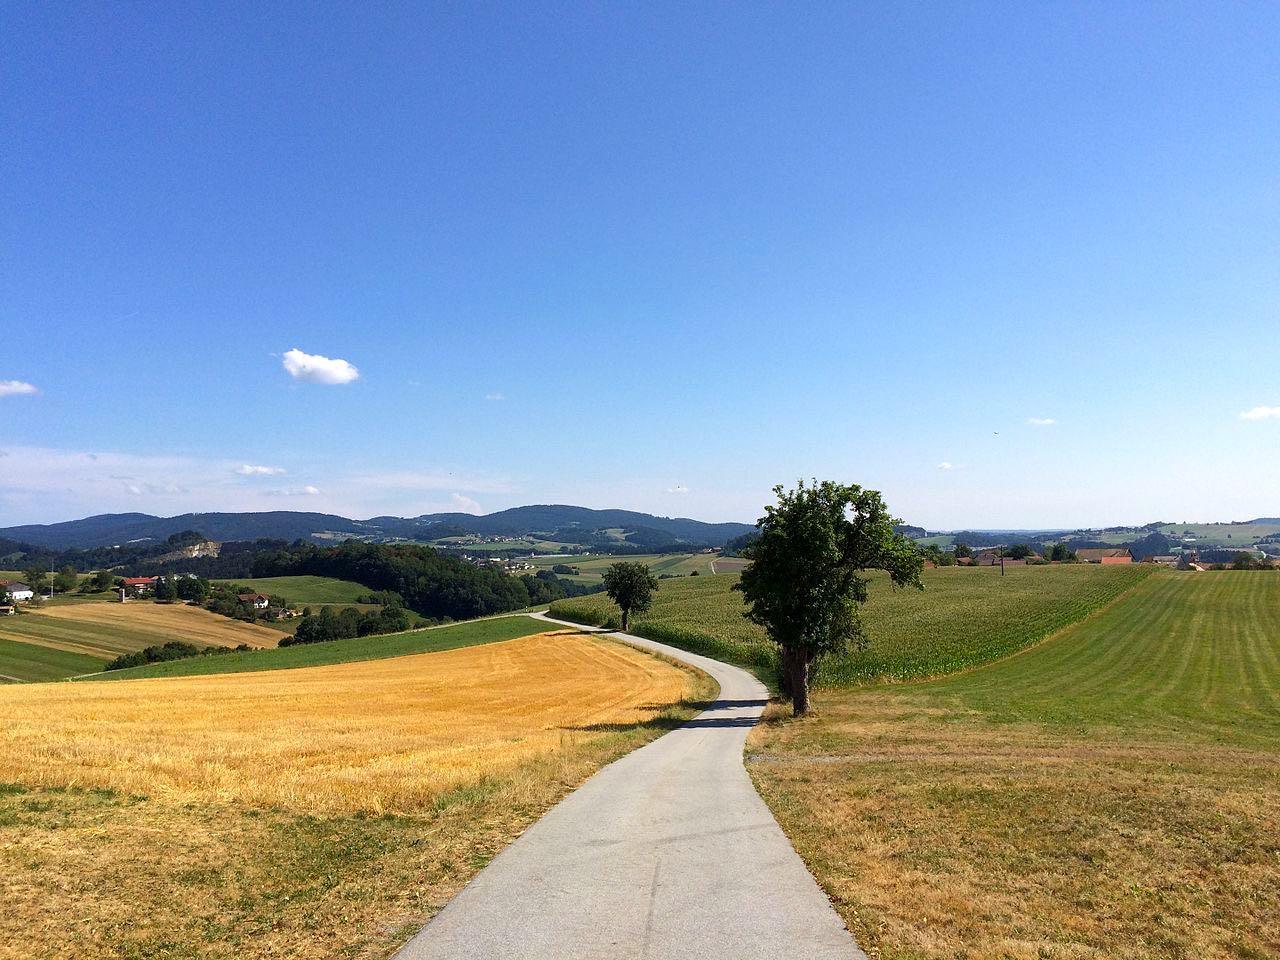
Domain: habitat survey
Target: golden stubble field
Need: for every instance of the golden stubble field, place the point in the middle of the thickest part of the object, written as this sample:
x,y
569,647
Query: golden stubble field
x,y
109,629
318,813
383,735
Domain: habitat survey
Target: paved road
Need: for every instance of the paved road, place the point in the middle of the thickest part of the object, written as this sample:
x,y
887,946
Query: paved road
x,y
669,852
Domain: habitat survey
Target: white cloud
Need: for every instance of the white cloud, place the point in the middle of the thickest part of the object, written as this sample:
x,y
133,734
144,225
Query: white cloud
x,y
313,368
1261,413
494,396
465,504
256,470
1041,421
946,465
307,491
16,388
45,485
679,489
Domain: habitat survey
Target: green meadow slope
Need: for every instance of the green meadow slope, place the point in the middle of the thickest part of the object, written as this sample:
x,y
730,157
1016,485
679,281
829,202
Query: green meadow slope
x,y
965,616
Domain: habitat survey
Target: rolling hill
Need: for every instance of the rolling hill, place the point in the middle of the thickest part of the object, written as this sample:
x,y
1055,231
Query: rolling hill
x,y
581,523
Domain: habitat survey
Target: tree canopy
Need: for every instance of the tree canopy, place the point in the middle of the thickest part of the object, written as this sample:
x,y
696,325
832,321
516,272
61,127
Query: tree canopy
x,y
805,582
630,585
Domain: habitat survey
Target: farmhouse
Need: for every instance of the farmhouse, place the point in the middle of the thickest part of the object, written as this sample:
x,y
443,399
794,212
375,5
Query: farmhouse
x,y
140,584
16,590
259,601
991,558
1104,555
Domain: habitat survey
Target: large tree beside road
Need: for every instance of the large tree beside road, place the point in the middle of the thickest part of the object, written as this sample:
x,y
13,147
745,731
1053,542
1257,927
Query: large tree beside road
x,y
806,580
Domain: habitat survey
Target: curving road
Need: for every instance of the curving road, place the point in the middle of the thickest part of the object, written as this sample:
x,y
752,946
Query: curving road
x,y
668,852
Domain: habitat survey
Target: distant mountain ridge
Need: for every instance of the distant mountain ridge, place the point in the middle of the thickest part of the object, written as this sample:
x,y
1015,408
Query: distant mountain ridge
x,y
112,529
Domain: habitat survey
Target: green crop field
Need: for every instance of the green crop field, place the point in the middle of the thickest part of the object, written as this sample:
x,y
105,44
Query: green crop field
x,y
304,590
22,662
1114,791
964,616
429,640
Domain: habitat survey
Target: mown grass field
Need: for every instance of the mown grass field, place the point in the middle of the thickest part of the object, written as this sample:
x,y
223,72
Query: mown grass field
x,y
22,662
965,616
1111,793
352,650
305,590
102,631
311,813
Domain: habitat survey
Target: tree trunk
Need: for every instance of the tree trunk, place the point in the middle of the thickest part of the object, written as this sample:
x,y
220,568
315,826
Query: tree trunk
x,y
795,667
626,618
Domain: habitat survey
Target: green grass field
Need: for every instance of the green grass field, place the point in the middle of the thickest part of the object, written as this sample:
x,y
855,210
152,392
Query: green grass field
x,y
23,662
591,567
1184,656
342,651
965,616
305,590
1114,791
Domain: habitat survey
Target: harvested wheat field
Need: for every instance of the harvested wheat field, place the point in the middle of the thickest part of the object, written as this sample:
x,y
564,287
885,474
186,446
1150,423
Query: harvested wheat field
x,y
323,812
384,735
107,630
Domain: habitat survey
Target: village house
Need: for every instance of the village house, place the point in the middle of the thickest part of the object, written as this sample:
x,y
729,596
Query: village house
x,y
16,590
140,585
259,601
1104,555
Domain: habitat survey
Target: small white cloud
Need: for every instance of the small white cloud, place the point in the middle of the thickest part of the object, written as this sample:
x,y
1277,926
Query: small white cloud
x,y
946,465
313,368
494,396
307,491
679,489
1261,413
17,388
256,470
465,504
1041,421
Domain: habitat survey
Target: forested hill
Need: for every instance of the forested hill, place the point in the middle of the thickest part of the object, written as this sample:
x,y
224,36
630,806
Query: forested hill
x,y
572,524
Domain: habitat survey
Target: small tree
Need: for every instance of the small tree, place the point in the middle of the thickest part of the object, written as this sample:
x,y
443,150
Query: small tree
x,y
962,550
804,584
65,580
630,585
103,580
36,578
166,589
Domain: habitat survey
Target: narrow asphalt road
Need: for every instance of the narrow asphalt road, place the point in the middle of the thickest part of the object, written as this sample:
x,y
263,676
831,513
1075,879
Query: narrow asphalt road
x,y
668,852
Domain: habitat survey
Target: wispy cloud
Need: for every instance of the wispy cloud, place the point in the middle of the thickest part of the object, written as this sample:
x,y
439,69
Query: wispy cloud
x,y
465,504
946,465
17,388
494,396
1041,421
1261,413
307,491
680,489
313,368
257,470
39,484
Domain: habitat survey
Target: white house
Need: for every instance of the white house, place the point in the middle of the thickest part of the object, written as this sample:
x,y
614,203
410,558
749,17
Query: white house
x,y
259,601
16,590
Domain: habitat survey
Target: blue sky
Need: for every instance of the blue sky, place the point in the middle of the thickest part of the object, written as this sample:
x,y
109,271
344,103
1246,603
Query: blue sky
x,y
649,256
